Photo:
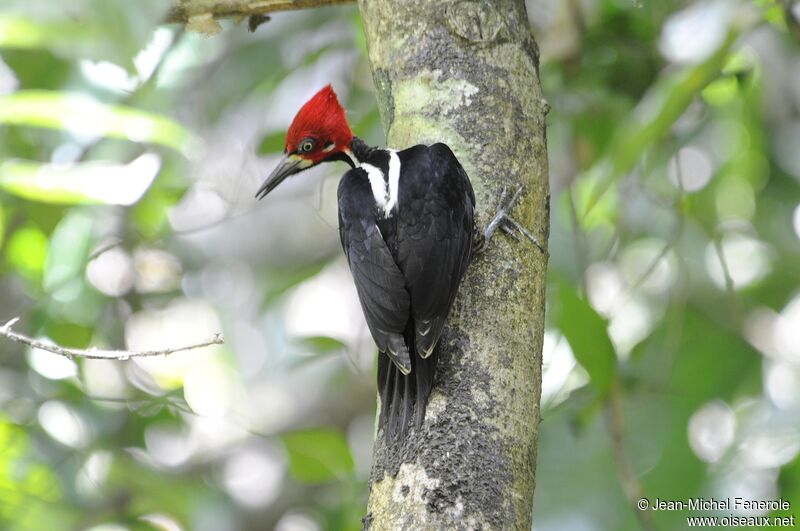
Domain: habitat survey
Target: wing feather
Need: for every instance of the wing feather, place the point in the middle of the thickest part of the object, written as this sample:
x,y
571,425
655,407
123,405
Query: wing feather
x,y
434,248
381,286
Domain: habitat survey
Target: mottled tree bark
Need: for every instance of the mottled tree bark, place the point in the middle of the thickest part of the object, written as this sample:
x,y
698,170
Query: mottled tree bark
x,y
463,72
466,73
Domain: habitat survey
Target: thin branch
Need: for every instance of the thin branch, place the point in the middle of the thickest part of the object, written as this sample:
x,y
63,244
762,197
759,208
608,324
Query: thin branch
x,y
96,353
184,12
730,287
615,415
579,238
102,249
668,246
630,483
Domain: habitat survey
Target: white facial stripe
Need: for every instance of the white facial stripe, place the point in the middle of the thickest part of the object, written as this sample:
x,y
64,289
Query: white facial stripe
x,y
377,184
394,182
329,148
300,161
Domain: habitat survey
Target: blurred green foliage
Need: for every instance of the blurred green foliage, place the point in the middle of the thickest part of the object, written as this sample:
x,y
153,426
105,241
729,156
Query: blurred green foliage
x,y
317,456
129,152
586,332
675,219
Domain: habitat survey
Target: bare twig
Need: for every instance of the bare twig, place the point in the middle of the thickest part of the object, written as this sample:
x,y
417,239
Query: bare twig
x,y
630,483
615,414
184,11
579,238
730,286
102,249
96,353
668,246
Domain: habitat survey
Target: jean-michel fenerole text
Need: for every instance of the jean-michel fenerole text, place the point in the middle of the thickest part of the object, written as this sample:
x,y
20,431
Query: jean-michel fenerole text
x,y
722,504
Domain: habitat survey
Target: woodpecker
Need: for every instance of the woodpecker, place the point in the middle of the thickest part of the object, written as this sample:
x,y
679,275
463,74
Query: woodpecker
x,y
407,229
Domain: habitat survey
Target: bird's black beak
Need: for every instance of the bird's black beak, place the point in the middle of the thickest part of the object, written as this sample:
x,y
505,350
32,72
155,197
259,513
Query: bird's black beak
x,y
289,165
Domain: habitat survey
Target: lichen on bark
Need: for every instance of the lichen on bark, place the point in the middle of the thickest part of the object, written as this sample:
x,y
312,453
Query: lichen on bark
x,y
466,73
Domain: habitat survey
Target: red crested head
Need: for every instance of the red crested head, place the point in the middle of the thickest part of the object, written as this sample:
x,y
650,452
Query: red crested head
x,y
318,133
320,128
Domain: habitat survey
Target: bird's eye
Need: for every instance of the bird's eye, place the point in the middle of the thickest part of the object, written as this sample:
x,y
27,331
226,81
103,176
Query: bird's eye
x,y
307,145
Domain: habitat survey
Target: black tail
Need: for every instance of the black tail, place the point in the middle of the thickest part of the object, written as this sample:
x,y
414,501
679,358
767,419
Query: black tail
x,y
403,395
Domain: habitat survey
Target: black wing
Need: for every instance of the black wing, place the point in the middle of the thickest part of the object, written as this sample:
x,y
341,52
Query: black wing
x,y
380,284
434,236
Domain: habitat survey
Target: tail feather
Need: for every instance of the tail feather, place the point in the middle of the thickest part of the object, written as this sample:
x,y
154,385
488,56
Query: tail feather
x,y
385,384
403,395
407,402
423,374
395,401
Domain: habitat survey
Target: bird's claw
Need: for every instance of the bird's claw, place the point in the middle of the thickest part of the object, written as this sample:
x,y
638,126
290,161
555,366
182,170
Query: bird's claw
x,y
510,232
503,220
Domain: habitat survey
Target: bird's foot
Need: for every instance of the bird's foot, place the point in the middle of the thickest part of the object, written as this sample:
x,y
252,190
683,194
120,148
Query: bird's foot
x,y
503,221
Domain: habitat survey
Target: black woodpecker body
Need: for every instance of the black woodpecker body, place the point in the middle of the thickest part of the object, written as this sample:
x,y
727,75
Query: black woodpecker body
x,y
406,223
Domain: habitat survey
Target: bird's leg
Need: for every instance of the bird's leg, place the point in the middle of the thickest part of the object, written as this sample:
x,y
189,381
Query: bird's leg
x,y
503,220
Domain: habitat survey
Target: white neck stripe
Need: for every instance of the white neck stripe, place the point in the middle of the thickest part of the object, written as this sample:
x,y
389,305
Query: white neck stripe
x,y
394,182
376,182
385,189
386,196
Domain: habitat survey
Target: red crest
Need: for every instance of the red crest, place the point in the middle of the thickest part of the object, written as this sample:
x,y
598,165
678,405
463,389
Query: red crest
x,y
322,120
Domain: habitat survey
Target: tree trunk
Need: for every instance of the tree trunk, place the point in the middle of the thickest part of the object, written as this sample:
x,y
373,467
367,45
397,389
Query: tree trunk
x,y
466,73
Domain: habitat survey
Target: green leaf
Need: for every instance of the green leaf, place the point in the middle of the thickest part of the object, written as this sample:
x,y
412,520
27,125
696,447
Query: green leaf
x,y
89,182
29,487
279,281
64,333
150,214
317,348
19,31
318,456
587,334
321,344
40,182
69,249
26,252
84,116
272,143
606,208
722,91
89,29
710,360
690,359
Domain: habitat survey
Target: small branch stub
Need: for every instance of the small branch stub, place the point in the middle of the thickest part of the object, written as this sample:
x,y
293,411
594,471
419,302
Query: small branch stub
x,y
95,353
185,11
